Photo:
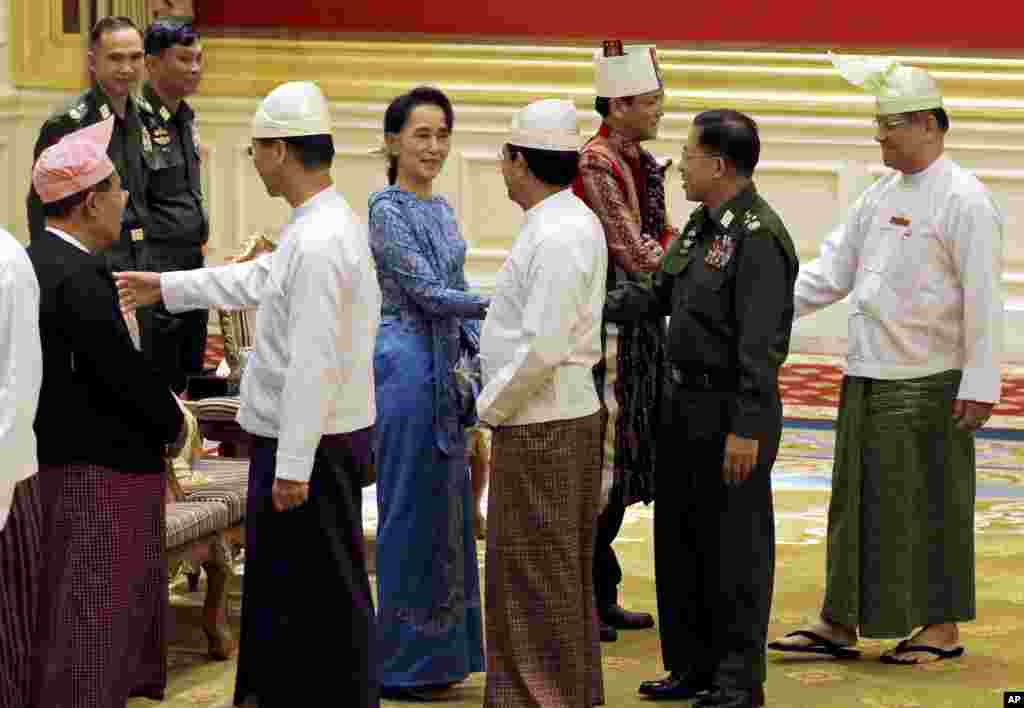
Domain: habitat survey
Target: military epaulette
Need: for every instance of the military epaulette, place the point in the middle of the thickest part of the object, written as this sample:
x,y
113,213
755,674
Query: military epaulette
x,y
763,221
751,221
78,111
143,104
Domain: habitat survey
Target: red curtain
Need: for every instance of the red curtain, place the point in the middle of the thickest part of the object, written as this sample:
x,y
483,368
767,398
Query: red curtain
x,y
824,23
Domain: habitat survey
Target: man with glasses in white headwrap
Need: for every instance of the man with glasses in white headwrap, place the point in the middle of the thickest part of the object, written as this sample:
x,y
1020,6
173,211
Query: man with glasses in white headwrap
x,y
920,256
539,343
308,400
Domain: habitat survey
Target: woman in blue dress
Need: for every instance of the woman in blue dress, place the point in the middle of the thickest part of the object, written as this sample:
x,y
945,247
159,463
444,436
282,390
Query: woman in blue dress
x,y
429,616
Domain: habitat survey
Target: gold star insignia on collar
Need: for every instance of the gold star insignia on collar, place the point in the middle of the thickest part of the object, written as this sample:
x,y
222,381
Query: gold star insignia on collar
x,y
727,218
164,113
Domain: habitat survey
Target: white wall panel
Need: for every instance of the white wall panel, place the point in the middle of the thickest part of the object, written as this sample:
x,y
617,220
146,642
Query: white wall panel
x,y
813,167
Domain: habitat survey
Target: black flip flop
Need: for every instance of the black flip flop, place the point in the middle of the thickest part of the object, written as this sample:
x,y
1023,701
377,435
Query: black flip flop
x,y
905,648
822,645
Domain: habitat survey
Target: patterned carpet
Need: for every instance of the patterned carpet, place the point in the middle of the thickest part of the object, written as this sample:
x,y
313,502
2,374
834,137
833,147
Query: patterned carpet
x,y
801,482
976,681
810,391
810,387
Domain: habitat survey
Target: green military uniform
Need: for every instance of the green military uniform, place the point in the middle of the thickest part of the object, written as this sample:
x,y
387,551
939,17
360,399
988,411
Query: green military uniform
x,y
178,228
125,151
727,284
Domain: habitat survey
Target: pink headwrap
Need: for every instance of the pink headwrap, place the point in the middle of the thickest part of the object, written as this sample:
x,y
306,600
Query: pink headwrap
x,y
77,162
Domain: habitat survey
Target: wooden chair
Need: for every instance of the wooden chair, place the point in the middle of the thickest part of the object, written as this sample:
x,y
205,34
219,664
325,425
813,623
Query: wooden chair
x,y
195,532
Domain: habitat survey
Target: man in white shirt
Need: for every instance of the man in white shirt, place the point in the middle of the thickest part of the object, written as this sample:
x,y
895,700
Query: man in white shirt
x,y
920,256
307,397
21,514
539,344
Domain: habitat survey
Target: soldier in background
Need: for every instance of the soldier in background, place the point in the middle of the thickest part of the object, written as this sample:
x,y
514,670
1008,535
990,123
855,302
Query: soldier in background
x,y
178,228
115,61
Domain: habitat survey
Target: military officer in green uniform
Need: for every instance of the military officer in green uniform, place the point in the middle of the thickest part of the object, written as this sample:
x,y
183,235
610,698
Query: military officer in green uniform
x,y
727,285
116,61
178,225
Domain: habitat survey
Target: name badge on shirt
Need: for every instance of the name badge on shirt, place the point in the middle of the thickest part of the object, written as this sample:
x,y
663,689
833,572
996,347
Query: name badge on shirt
x,y
901,222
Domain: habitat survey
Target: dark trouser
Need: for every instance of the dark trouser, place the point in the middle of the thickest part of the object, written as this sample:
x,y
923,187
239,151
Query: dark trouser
x,y
174,345
306,584
607,572
714,545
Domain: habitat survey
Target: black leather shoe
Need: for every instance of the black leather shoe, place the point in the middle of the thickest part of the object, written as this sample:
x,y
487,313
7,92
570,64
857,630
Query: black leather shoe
x,y
624,619
407,694
733,698
608,633
676,687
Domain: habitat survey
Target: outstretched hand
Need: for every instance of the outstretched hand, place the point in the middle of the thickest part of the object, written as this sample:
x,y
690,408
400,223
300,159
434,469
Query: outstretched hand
x,y
137,289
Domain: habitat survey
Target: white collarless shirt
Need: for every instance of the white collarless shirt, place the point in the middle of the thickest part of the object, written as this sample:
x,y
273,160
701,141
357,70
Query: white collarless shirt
x,y
21,369
311,370
542,335
68,238
921,257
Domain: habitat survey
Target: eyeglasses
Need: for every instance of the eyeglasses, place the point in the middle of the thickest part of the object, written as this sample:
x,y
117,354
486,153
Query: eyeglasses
x,y
684,158
890,122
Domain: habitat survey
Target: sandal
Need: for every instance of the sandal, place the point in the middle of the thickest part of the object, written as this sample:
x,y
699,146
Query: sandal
x,y
905,647
820,645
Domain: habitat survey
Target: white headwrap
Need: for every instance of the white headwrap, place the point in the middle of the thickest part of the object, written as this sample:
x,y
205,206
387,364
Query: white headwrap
x,y
631,74
897,88
546,125
292,110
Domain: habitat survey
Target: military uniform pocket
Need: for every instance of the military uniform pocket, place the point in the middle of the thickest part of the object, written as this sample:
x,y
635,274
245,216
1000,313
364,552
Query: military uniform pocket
x,y
700,415
675,263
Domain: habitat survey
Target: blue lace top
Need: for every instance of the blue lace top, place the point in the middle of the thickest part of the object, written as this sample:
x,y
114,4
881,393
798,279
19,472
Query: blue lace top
x,y
420,256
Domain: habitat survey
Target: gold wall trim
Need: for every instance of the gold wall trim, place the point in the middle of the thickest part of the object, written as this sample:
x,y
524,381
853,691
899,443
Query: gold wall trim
x,y
761,82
